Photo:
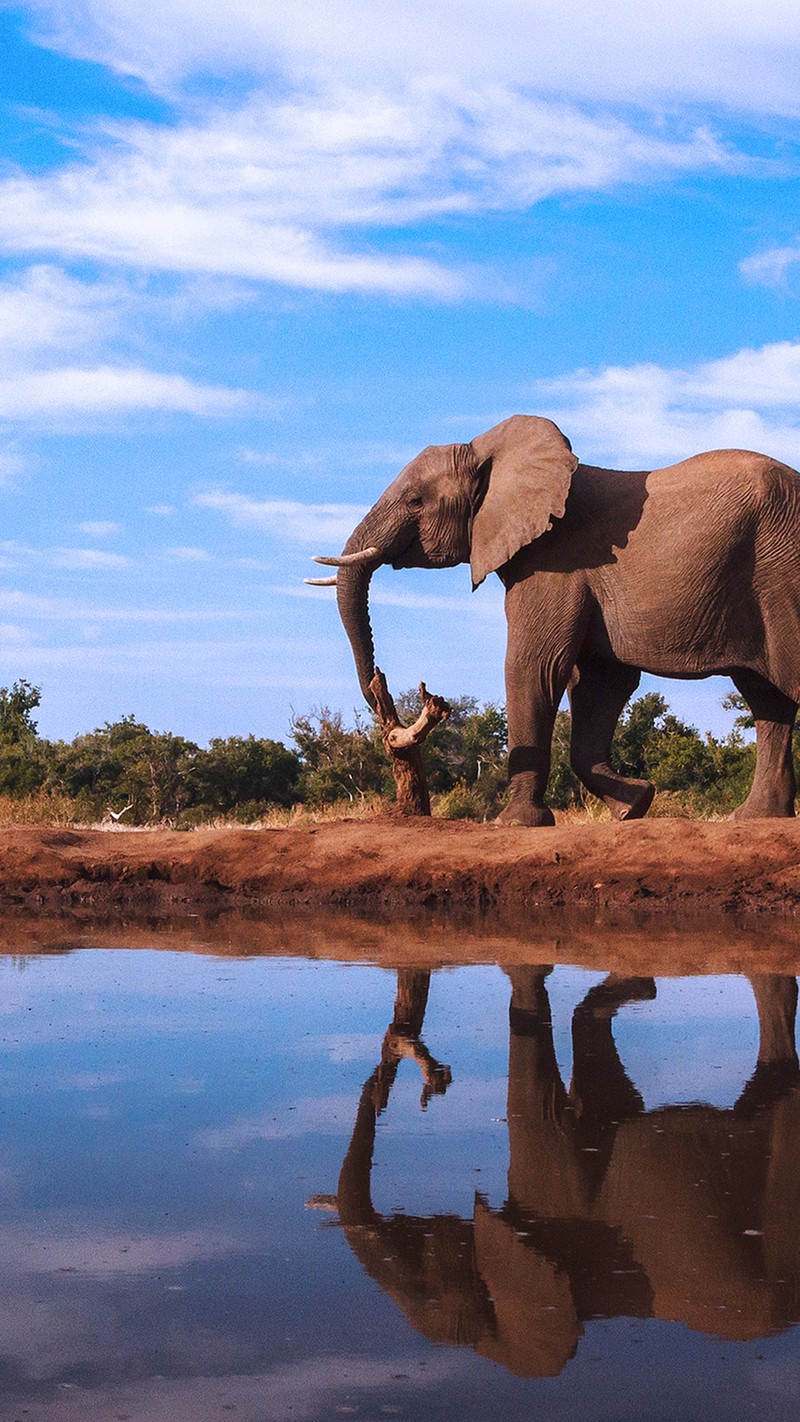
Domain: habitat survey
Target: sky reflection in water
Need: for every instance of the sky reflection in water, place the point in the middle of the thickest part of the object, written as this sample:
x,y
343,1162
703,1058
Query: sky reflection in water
x,y
556,1234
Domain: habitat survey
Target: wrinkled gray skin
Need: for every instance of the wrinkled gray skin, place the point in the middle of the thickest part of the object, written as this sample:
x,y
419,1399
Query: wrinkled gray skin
x,y
689,571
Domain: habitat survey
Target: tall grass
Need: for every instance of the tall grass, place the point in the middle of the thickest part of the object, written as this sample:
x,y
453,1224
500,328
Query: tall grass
x,y
60,811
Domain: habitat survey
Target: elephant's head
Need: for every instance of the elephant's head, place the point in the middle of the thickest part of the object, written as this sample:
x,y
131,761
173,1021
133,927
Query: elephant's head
x,y
455,503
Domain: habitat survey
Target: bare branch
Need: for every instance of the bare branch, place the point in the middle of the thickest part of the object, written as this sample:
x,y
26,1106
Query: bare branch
x,y
402,743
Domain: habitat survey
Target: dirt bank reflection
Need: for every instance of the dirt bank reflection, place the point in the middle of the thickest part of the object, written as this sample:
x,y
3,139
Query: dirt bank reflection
x,y
685,1213
633,944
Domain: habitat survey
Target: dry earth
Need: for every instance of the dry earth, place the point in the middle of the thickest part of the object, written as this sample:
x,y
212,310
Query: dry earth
x,y
390,865
665,896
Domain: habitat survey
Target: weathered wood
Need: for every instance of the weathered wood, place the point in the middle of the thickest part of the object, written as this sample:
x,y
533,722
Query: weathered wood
x,y
403,743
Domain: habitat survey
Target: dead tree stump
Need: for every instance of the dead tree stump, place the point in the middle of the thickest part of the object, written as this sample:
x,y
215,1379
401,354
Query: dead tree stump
x,y
402,743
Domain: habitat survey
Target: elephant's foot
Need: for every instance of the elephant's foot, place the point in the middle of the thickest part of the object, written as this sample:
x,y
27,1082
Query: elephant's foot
x,y
764,806
615,991
524,812
626,799
634,802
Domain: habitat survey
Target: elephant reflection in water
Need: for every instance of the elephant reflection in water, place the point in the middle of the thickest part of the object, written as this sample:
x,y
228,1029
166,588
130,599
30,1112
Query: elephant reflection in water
x,y
685,1213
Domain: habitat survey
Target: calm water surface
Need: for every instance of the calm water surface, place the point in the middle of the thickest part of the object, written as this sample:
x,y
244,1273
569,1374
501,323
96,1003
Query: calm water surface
x,y
284,1189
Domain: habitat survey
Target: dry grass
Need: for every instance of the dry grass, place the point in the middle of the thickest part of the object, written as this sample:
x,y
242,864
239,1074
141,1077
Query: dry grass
x,y
667,805
54,811
297,816
60,811
592,812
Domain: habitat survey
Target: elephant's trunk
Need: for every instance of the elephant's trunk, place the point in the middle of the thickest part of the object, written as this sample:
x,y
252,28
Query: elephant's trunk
x,y
352,593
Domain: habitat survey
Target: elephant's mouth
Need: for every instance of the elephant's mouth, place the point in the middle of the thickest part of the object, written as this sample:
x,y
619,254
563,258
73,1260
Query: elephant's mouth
x,y
411,556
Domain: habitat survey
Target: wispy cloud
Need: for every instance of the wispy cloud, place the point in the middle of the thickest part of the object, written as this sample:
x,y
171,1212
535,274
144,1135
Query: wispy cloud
x,y
188,554
102,1253
14,554
44,310
46,316
254,662
32,608
770,268
313,1115
352,454
99,528
326,524
308,1390
646,54
275,191
84,559
87,391
646,414
12,465
486,602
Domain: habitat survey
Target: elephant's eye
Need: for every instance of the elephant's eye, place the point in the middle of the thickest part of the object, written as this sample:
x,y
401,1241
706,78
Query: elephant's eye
x,y
415,501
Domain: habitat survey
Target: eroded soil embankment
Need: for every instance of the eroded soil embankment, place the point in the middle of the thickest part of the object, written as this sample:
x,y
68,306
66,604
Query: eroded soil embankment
x,y
394,864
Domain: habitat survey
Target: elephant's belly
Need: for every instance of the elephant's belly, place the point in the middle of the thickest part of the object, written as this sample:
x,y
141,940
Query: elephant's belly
x,y
723,593
711,631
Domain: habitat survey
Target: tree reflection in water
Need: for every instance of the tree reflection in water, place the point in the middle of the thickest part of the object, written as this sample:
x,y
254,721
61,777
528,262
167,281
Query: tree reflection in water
x,y
685,1213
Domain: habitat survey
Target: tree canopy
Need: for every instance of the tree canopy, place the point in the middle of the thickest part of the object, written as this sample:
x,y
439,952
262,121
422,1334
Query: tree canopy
x,y
126,771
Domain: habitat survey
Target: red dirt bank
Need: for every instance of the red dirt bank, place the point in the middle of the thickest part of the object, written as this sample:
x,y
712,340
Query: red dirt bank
x,y
386,865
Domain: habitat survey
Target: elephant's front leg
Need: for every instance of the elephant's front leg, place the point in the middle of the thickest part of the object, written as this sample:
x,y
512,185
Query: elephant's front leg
x,y
533,695
547,620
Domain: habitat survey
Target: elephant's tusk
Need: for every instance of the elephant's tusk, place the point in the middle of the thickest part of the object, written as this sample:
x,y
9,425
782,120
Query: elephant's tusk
x,y
346,560
321,582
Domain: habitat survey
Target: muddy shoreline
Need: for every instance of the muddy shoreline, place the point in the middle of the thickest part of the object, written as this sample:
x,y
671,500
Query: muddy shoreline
x,y
385,866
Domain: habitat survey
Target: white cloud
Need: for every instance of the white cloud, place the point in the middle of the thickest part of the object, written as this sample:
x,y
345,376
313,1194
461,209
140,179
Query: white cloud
x,y
42,310
12,632
325,524
99,528
110,389
263,192
101,1253
12,464
766,377
486,602
770,268
88,559
48,609
356,453
45,313
242,195
727,51
188,554
307,1390
313,1115
646,414
226,664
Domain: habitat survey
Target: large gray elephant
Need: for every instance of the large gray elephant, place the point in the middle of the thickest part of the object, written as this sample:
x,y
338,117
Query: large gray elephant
x,y
689,571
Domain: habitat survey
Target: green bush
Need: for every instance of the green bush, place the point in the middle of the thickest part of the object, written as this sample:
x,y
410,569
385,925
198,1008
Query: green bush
x,y
155,776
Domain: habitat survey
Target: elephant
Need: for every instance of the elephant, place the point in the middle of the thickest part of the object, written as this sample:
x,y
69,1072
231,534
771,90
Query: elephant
x,y
684,1213
688,571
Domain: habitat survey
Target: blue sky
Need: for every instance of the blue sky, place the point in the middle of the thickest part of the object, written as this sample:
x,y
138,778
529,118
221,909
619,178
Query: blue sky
x,y
254,258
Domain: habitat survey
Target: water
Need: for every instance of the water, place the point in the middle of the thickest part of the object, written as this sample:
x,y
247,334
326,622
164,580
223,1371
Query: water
x,y
288,1187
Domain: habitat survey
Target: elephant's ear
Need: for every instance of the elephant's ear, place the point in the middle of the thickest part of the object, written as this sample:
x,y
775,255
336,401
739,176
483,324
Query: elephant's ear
x,y
530,465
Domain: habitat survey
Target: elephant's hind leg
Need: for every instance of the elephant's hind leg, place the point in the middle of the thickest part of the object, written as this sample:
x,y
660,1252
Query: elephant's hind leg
x,y
773,789
598,693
